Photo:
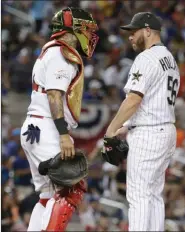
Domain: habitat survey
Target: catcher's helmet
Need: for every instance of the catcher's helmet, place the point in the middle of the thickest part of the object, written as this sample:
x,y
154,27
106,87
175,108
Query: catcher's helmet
x,y
79,22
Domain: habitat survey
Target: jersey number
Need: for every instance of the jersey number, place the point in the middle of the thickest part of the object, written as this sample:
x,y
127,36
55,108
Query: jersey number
x,y
172,88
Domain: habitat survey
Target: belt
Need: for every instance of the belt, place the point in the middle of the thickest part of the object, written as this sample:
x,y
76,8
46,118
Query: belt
x,y
38,88
36,116
131,127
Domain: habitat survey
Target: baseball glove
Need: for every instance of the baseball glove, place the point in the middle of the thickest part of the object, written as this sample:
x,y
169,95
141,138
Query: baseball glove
x,y
114,150
65,172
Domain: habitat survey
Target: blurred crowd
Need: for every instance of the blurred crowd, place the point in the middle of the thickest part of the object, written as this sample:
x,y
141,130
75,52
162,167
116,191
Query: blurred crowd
x,y
105,76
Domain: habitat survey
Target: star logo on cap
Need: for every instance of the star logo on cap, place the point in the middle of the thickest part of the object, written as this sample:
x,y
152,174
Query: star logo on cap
x,y
136,76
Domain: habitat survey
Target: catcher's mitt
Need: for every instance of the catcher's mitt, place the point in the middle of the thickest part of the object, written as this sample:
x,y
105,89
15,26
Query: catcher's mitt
x,y
114,150
65,172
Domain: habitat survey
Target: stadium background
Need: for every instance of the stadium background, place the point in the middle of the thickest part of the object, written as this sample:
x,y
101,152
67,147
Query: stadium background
x,y
24,32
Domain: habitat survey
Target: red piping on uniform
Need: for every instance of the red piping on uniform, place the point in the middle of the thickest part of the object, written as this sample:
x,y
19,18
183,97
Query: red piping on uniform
x,y
43,201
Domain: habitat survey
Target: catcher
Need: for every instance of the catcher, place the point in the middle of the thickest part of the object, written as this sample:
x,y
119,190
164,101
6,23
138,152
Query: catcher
x,y
58,77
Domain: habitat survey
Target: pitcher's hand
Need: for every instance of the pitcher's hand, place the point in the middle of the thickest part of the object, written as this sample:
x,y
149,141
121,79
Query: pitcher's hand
x,y
121,132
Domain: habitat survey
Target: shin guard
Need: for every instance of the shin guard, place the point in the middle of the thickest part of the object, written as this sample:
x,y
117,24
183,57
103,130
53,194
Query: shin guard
x,y
66,201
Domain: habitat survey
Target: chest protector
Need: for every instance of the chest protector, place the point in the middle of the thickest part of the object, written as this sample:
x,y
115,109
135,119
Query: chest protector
x,y
75,89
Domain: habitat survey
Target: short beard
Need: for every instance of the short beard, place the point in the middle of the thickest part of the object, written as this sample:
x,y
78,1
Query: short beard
x,y
140,44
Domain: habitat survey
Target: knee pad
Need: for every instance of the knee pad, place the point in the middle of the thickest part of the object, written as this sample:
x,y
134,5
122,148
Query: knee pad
x,y
74,195
65,203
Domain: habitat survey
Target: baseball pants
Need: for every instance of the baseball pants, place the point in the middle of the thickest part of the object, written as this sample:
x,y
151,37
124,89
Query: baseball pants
x,y
47,148
150,150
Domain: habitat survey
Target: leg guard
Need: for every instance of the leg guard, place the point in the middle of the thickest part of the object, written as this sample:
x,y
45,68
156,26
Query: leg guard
x,y
66,201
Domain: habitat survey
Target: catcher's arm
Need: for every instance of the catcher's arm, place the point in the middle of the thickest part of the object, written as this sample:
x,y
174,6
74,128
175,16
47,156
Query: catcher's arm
x,y
126,110
57,112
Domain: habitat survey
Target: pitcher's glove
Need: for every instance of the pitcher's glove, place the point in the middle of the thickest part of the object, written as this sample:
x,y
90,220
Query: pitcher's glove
x,y
65,172
114,150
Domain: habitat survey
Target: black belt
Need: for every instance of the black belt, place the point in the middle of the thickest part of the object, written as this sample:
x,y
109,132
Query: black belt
x,y
131,127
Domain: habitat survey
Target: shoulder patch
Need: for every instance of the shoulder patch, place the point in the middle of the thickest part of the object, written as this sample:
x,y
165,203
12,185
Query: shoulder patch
x,y
62,74
136,76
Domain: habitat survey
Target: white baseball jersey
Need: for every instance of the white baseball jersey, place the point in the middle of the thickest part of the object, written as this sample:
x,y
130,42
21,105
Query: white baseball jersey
x,y
152,142
155,74
52,71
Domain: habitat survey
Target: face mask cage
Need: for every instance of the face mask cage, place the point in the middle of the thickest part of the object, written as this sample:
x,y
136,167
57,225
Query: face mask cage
x,y
88,41
85,32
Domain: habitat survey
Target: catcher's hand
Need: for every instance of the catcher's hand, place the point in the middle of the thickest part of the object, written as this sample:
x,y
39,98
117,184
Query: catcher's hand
x,y
114,150
65,172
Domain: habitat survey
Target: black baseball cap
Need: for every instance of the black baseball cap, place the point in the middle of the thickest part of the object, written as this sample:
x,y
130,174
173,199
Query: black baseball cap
x,y
142,20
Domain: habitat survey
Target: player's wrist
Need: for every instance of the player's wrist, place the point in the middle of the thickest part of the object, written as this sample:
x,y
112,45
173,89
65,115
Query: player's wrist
x,y
109,134
61,126
64,137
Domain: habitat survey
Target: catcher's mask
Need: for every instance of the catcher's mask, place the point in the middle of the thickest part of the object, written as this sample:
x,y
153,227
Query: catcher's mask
x,y
79,22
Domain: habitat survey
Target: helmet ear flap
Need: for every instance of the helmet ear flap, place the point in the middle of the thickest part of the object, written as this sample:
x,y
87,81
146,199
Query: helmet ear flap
x,y
67,19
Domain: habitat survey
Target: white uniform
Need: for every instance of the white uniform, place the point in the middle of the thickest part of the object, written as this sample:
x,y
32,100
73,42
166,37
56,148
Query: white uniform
x,y
152,142
52,71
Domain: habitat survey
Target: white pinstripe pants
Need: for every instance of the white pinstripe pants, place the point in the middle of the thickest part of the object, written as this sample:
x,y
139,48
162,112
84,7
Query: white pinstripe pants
x,y
150,150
